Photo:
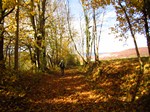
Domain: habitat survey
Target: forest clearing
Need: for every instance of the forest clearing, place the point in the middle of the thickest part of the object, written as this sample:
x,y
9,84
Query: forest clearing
x,y
108,87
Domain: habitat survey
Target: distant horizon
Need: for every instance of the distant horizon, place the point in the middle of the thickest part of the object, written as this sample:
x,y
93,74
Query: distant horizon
x,y
125,49
127,53
116,51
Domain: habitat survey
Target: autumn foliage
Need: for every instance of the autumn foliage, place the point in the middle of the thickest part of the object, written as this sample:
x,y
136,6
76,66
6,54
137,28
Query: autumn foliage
x,y
107,86
36,34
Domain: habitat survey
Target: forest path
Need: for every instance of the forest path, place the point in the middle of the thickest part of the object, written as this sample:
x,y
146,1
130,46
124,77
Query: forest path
x,y
68,93
74,93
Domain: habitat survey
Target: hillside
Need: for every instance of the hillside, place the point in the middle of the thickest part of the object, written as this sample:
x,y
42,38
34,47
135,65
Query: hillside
x,y
125,54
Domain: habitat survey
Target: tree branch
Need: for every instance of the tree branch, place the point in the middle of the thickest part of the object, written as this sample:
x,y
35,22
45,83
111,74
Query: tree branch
x,y
6,14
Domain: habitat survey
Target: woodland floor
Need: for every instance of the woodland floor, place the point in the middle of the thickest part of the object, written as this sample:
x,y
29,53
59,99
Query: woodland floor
x,y
73,92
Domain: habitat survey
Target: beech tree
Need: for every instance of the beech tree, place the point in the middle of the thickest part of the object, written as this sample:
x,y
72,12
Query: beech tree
x,y
97,29
91,10
87,26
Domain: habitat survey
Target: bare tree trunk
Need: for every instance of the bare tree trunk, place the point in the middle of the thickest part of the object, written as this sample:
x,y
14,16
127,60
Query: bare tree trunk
x,y
38,51
17,39
87,32
95,36
100,32
82,42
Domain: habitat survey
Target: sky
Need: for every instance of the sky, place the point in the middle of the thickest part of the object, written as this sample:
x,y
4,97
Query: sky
x,y
108,41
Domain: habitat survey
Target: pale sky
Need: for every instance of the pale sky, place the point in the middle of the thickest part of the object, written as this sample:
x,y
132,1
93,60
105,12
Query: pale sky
x,y
108,42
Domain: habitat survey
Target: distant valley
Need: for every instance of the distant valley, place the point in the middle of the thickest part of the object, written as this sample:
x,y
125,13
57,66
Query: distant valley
x,y
129,53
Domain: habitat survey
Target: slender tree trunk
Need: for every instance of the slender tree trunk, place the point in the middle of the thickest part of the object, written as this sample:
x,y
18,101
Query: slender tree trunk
x,y
147,4
17,39
87,32
43,35
32,18
70,33
87,39
2,65
61,50
82,43
95,36
100,32
146,27
38,51
9,57
140,74
2,16
36,24
56,51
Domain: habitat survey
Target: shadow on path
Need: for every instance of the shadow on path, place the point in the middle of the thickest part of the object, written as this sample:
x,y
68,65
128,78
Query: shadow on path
x,y
71,93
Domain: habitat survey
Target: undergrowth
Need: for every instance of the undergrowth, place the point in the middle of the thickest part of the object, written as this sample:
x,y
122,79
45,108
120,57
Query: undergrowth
x,y
118,79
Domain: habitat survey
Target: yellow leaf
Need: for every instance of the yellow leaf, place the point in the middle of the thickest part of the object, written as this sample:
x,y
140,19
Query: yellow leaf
x,y
9,4
33,13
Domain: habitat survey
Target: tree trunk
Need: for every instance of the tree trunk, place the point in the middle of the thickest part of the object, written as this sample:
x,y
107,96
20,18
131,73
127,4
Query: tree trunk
x,y
9,57
39,33
2,65
38,51
56,48
43,35
2,16
32,18
17,39
140,74
41,50
82,43
95,36
87,32
146,27
70,33
100,32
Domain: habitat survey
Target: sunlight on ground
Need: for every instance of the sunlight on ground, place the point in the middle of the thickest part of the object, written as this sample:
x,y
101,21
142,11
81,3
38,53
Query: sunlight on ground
x,y
80,87
71,77
75,98
75,90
